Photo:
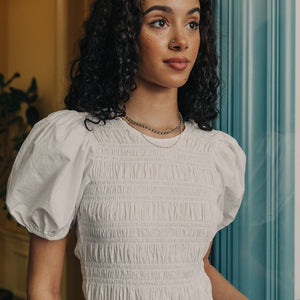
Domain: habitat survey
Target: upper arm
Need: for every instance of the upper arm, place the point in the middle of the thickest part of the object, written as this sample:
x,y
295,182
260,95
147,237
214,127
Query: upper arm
x,y
45,266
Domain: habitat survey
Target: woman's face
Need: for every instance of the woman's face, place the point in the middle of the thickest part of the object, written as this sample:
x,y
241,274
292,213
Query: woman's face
x,y
165,21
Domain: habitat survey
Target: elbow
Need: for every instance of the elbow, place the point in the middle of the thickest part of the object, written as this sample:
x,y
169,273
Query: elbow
x,y
207,265
43,293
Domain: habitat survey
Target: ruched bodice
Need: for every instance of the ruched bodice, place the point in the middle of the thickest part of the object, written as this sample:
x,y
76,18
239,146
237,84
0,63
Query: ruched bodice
x,y
145,214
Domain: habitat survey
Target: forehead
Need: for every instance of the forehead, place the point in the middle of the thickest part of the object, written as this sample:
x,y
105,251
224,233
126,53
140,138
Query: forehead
x,y
177,6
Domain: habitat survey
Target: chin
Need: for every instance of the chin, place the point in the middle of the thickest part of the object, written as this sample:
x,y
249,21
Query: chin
x,y
170,81
175,83
178,80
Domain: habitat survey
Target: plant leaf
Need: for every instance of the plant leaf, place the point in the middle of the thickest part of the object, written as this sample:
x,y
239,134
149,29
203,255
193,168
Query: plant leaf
x,y
33,87
16,75
2,193
32,99
32,115
19,141
4,98
1,80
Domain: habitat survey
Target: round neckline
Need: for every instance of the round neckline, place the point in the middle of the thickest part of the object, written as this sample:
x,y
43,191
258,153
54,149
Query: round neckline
x,y
151,138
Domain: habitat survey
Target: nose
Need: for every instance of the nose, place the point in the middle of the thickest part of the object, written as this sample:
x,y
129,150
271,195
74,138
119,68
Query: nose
x,y
179,41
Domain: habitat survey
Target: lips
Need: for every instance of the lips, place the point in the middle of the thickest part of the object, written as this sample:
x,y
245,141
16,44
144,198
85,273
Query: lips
x,y
177,63
177,60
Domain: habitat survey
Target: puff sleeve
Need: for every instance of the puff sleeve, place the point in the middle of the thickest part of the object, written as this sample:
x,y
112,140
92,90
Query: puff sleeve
x,y
47,179
230,162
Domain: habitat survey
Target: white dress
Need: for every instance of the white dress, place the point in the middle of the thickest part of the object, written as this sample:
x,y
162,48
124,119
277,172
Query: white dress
x,y
145,212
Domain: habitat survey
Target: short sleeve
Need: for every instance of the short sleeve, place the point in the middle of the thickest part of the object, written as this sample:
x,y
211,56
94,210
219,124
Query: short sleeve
x,y
47,179
230,162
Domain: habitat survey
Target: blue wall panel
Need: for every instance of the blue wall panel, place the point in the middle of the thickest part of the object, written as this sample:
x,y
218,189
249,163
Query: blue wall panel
x,y
256,44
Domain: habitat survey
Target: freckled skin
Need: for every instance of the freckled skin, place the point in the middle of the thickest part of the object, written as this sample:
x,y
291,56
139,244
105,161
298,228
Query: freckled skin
x,y
155,42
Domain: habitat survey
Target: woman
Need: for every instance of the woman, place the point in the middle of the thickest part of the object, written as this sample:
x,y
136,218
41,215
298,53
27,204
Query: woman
x,y
133,161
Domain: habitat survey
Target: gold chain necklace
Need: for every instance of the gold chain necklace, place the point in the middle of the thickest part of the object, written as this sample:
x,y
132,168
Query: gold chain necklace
x,y
153,129
159,146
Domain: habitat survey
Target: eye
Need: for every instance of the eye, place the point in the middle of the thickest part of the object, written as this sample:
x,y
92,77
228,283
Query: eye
x,y
194,26
160,22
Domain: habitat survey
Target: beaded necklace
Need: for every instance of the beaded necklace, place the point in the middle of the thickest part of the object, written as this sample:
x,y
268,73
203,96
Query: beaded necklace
x,y
131,121
153,129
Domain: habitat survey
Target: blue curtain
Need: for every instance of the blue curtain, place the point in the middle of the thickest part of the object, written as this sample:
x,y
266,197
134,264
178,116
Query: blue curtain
x,y
255,40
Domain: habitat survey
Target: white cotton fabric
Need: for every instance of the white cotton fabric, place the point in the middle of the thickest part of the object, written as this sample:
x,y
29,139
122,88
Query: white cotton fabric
x,y
145,215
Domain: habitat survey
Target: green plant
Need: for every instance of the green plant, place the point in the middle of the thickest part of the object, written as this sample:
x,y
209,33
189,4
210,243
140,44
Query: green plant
x,y
17,117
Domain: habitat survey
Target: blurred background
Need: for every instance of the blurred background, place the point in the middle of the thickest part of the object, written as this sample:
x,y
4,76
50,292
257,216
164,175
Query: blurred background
x,y
37,41
259,46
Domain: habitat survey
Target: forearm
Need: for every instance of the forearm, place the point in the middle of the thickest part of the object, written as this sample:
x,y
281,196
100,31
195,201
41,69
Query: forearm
x,y
38,288
45,267
221,288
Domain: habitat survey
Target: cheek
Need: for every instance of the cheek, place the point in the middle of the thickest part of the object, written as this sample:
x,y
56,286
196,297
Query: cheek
x,y
197,43
196,47
150,47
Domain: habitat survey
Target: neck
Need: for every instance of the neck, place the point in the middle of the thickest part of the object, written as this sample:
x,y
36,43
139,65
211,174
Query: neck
x,y
154,105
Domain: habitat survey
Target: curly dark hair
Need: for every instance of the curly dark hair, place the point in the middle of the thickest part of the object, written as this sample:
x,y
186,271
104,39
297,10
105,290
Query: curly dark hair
x,y
102,76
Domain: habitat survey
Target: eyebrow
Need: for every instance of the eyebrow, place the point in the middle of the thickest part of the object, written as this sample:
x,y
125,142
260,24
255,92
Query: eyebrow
x,y
169,10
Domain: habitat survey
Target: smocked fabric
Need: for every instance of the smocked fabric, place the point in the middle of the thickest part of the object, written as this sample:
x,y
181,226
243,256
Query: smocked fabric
x,y
145,215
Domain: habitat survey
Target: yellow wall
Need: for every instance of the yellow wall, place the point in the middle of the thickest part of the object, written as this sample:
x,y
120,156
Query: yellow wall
x,y
3,35
37,39
31,47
